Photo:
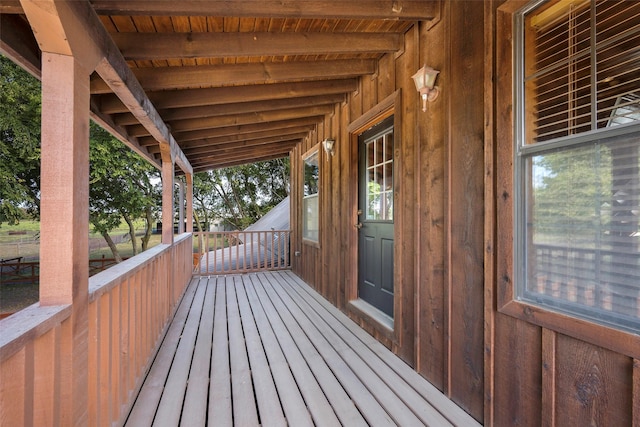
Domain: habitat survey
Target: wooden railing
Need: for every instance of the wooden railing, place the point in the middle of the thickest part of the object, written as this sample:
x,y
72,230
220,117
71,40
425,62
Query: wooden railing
x,y
130,305
232,252
600,278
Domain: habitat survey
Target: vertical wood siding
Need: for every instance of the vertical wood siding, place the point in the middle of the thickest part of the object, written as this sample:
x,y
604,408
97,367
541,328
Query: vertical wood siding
x,y
438,207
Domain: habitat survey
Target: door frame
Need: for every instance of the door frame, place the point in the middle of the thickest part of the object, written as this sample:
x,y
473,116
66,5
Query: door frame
x,y
390,106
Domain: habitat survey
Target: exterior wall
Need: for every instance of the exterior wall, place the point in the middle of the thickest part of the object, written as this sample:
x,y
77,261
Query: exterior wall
x,y
450,184
438,208
540,375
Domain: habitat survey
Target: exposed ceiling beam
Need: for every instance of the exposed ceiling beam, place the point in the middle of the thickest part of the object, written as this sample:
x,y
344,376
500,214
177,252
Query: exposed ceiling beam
x,y
246,137
246,140
11,6
163,78
238,119
110,104
235,108
151,46
225,164
329,9
249,155
236,148
183,137
224,147
18,43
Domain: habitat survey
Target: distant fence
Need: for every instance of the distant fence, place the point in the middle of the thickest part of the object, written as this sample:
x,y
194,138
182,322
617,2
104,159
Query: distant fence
x,y
231,252
27,244
16,271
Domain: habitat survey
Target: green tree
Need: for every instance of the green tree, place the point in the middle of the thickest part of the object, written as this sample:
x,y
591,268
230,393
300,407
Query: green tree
x,y
121,188
240,195
19,143
572,193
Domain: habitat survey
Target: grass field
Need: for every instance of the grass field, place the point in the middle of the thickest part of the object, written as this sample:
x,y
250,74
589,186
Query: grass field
x,y
23,241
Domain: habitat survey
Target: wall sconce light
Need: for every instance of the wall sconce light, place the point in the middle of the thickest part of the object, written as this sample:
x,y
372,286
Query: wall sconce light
x,y
329,146
425,79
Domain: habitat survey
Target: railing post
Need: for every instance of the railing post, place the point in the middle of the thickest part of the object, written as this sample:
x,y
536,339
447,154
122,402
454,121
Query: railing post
x,y
64,247
167,201
189,178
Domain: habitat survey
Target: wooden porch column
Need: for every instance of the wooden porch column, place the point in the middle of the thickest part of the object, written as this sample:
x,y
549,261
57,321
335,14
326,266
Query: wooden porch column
x,y
167,202
189,179
180,206
64,225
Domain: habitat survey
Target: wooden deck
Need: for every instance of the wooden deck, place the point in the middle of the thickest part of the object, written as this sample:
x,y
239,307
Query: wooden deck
x,y
265,349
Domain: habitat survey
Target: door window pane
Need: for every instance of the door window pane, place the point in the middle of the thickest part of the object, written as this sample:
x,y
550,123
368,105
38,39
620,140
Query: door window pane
x,y
379,186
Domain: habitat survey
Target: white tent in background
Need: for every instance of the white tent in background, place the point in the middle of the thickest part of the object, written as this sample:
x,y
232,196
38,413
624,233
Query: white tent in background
x,y
255,247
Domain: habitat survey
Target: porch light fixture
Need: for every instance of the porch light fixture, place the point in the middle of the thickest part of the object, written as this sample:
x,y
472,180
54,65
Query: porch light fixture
x,y
425,80
329,146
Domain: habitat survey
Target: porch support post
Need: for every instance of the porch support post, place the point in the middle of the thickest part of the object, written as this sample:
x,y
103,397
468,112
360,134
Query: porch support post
x,y
189,179
64,225
181,206
167,202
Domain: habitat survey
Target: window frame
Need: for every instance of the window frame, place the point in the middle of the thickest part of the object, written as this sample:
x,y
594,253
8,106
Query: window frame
x,y
508,153
315,150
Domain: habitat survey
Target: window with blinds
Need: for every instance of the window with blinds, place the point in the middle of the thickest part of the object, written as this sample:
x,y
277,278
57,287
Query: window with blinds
x,y
577,166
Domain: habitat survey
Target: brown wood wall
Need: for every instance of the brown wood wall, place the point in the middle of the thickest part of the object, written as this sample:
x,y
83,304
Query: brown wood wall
x,y
502,370
539,375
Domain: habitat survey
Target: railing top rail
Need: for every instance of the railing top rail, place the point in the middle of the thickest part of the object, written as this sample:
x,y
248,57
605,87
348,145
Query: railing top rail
x,y
28,324
102,282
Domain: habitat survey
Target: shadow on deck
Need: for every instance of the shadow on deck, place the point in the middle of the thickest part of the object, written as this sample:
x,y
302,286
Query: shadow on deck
x,y
265,349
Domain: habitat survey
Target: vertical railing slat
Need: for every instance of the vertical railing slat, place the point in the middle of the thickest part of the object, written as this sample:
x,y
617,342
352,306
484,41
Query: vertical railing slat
x,y
236,252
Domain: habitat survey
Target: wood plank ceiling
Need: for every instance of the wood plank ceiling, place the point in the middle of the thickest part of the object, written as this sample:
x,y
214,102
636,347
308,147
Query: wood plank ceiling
x,y
236,81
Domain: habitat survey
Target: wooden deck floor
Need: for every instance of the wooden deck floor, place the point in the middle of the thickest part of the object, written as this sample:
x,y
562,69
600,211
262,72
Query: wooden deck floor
x,y
265,349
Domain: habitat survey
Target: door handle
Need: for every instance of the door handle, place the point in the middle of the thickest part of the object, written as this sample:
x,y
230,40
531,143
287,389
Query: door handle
x,y
358,225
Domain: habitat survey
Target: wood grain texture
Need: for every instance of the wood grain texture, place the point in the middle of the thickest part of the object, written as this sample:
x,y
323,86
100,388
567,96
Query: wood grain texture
x,y
636,392
407,10
431,136
517,399
465,210
489,208
595,385
170,78
405,207
549,374
150,46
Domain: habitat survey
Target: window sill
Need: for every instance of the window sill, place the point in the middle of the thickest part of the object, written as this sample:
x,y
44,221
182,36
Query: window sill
x,y
613,339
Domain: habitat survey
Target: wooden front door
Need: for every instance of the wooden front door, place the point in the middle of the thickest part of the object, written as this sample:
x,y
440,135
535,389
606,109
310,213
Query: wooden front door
x,y
375,215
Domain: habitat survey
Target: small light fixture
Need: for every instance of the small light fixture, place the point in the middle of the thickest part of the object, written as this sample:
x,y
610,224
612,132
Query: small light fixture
x,y
329,146
425,79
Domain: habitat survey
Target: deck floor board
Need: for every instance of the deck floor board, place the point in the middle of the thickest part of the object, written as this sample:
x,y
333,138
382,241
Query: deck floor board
x,y
266,349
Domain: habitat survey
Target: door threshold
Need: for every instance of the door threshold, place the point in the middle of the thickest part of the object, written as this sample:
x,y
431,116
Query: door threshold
x,y
379,318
